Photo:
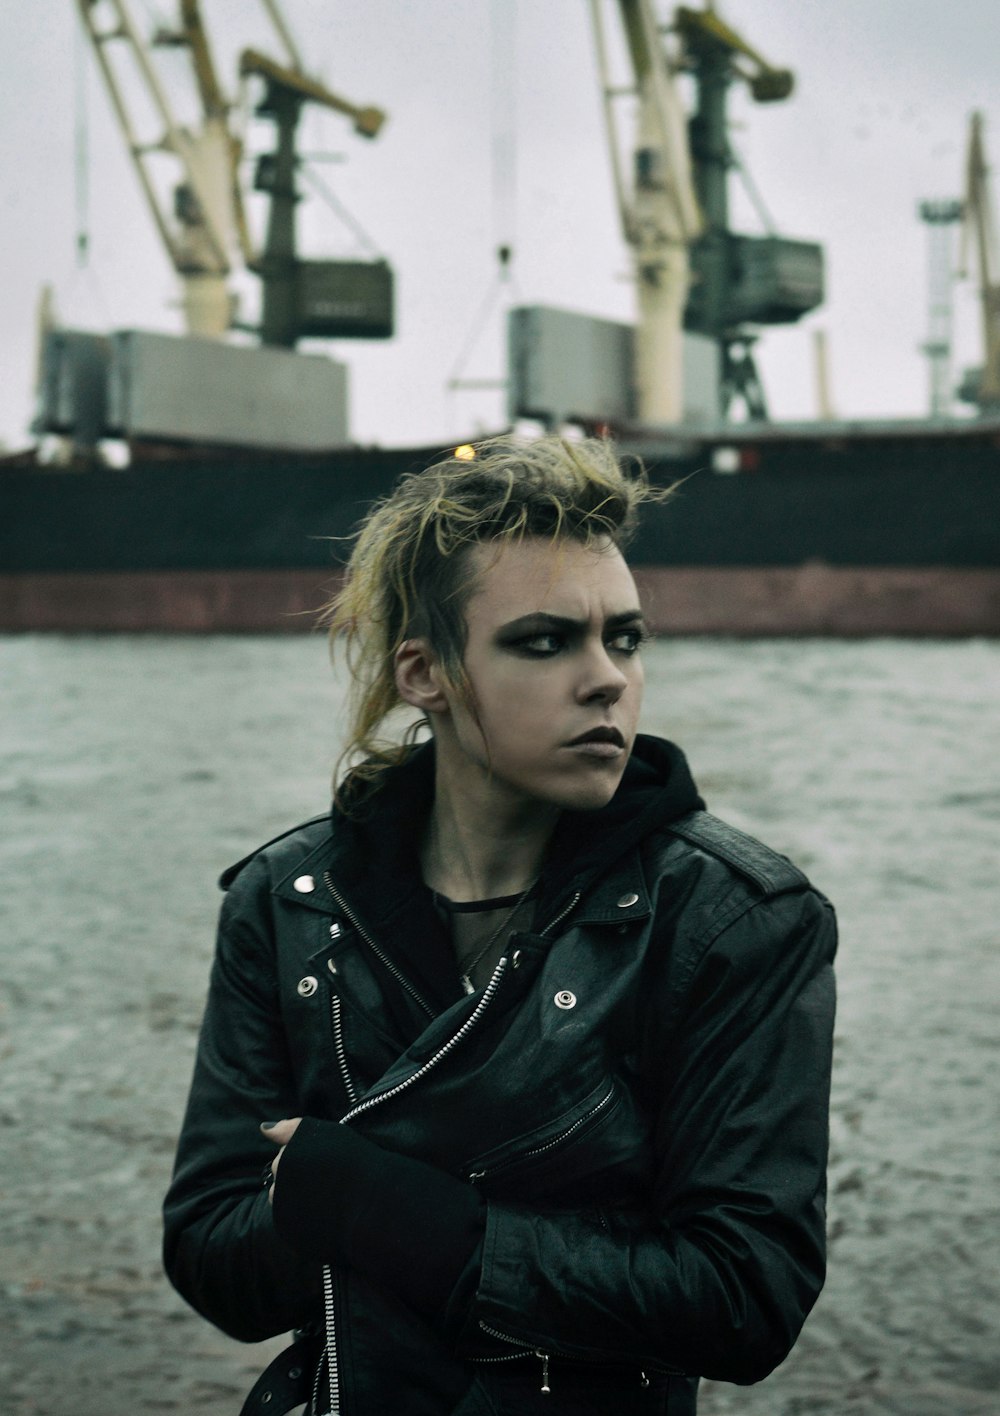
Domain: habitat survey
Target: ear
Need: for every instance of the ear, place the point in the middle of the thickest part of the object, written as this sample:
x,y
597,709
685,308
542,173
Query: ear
x,y
419,680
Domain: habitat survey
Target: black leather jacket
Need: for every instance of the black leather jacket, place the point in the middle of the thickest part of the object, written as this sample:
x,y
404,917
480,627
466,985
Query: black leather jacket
x,y
640,1094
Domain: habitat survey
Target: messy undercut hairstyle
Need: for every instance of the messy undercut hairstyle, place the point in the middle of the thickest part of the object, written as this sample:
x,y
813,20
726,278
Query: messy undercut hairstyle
x,y
408,578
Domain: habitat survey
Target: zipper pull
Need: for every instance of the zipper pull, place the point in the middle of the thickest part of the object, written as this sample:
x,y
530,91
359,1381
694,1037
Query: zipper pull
x,y
546,1389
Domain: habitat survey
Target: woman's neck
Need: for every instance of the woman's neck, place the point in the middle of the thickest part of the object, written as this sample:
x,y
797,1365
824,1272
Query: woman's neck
x,y
476,847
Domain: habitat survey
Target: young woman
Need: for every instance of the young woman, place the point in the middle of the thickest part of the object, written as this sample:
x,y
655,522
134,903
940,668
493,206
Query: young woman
x,y
532,1053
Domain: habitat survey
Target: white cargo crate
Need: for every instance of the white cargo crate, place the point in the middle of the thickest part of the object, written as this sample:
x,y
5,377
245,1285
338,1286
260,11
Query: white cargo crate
x,y
190,389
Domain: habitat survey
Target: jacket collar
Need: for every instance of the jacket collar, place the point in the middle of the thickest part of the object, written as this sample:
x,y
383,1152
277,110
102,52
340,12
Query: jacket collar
x,y
304,884
619,897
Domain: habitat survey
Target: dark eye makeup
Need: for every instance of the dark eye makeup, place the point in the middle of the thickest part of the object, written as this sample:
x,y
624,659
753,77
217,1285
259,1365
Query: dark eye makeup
x,y
544,644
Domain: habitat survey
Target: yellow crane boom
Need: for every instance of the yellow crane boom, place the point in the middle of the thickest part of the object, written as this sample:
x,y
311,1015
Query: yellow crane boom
x,y
659,210
980,227
367,121
767,84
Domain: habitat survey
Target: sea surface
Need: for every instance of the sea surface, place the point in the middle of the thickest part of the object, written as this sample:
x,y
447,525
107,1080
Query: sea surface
x,y
133,769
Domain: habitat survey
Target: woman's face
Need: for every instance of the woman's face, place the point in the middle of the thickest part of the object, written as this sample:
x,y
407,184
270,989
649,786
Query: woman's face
x,y
553,632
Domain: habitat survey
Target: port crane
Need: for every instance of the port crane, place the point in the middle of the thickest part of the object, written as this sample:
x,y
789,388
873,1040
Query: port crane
x,y
691,270
202,221
982,386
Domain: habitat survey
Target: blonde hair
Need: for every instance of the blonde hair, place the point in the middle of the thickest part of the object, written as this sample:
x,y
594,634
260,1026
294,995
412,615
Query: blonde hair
x,y
407,575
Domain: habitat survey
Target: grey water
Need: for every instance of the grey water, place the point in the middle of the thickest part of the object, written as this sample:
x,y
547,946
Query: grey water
x,y
133,769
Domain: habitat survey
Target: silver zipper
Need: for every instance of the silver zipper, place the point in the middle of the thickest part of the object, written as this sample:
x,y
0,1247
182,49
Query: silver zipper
x,y
476,1175
333,1373
382,957
330,1315
562,913
357,1110
470,1023
529,1350
339,1048
468,1026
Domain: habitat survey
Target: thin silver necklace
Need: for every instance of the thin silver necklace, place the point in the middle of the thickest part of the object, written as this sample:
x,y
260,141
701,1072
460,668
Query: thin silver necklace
x,y
505,923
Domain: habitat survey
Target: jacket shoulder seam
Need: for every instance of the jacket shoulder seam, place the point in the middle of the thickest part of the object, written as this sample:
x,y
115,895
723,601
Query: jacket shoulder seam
x,y
770,871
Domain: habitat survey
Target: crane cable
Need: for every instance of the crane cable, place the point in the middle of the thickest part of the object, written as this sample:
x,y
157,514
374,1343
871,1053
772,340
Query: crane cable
x,y
503,18
82,266
327,194
81,152
502,291
753,192
307,168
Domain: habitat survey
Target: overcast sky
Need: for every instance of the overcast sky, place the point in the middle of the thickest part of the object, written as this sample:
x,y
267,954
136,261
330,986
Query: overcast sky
x,y
495,136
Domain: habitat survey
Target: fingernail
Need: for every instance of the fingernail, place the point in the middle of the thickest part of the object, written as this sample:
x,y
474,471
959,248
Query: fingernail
x,y
269,1125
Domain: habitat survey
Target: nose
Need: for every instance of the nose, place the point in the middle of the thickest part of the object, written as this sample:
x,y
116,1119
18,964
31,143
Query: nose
x,y
603,680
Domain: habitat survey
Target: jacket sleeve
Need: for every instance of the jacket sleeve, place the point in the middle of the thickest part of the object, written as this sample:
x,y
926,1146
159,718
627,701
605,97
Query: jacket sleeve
x,y
716,1276
221,1249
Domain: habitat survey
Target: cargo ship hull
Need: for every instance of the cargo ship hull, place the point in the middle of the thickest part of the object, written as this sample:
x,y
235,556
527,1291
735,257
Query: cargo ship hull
x,y
833,529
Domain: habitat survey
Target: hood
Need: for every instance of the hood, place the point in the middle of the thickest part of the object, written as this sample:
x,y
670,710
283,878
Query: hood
x,y
380,836
656,789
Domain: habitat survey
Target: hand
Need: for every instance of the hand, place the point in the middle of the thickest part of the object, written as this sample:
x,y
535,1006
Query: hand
x,y
280,1132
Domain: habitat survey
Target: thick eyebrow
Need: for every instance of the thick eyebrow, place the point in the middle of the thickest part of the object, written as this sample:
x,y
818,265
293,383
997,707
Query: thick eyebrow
x,y
540,621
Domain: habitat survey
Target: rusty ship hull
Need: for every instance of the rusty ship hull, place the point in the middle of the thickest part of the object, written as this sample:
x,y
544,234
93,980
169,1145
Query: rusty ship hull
x,y
835,529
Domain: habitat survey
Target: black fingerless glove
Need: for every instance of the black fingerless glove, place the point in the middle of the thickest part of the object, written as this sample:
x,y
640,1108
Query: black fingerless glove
x,y
408,1226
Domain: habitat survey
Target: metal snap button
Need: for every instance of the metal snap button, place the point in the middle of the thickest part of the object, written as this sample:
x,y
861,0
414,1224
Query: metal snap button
x,y
305,884
516,959
627,901
307,986
332,965
565,999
